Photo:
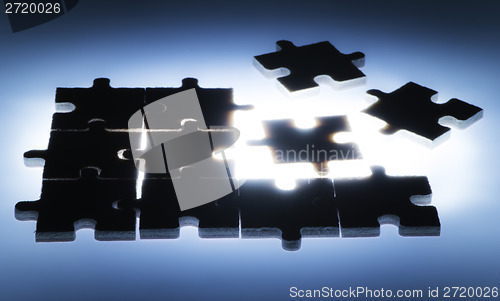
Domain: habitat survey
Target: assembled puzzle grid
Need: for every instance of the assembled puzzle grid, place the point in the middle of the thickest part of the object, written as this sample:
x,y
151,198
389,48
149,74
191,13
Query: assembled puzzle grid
x,y
90,179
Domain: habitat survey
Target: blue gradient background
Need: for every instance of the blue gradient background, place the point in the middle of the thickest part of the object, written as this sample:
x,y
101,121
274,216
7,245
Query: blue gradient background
x,y
450,46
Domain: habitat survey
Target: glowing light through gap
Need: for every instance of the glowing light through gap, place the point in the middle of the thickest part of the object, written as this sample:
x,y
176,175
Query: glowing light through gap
x,y
397,154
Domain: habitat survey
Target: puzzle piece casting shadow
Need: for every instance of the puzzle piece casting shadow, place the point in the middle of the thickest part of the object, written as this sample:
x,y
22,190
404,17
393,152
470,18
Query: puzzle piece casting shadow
x,y
411,108
312,62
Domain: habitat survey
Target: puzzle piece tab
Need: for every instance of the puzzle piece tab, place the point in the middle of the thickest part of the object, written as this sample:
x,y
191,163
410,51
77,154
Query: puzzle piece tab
x,y
307,62
411,108
101,102
315,145
68,205
365,203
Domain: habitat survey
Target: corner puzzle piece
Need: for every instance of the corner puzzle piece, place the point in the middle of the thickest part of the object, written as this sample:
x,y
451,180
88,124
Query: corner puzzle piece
x,y
309,61
161,217
314,145
365,203
267,211
68,205
70,151
101,101
216,104
411,108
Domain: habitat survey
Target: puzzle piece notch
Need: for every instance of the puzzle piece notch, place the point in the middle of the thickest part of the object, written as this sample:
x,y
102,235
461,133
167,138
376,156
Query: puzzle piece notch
x,y
365,203
161,216
70,151
267,211
68,205
290,143
216,104
305,63
411,108
101,101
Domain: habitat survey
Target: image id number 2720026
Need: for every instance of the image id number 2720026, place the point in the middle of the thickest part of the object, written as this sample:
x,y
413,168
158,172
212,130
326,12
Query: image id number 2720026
x,y
32,8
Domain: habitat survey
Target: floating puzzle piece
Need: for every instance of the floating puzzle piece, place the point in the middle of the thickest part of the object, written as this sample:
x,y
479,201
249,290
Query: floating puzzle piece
x,y
315,145
267,211
70,151
411,108
161,217
68,205
216,104
365,203
101,101
305,63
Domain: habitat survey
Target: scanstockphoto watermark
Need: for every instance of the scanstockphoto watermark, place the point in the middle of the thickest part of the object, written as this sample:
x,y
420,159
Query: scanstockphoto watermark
x,y
355,292
363,293
312,154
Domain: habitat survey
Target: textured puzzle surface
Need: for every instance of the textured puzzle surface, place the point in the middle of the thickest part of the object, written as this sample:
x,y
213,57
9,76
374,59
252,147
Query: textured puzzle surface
x,y
70,151
161,217
101,101
307,62
68,205
411,108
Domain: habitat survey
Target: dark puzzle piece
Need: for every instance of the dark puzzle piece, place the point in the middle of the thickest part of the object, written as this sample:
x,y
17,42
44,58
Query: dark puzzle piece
x,y
411,108
267,211
101,101
315,145
365,203
216,104
68,205
70,151
161,217
307,62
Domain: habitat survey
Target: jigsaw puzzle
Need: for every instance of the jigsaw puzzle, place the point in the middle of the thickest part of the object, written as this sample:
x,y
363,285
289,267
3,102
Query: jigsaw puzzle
x,y
306,63
366,203
315,145
68,205
90,178
412,108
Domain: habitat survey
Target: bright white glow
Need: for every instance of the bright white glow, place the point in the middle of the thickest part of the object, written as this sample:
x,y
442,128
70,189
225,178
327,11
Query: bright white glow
x,y
139,182
285,184
305,123
144,136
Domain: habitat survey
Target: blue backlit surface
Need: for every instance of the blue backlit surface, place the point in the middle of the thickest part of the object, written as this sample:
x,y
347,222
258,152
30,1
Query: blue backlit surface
x,y
449,46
